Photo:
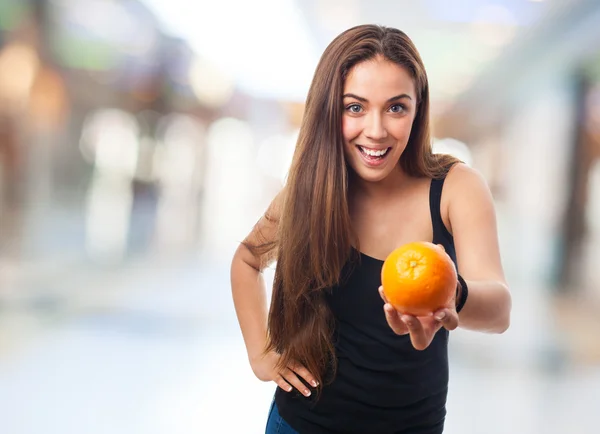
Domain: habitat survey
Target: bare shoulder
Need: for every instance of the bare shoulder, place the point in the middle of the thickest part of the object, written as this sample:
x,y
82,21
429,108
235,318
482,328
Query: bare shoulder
x,y
469,199
472,217
276,207
466,198
266,227
259,247
462,175
466,184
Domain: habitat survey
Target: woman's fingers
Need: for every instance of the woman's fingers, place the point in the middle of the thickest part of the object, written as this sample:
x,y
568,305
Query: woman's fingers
x,y
288,379
291,377
303,372
447,318
382,295
392,315
393,318
418,336
279,380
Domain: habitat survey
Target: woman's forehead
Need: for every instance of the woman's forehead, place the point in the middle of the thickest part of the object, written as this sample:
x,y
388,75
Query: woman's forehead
x,y
379,76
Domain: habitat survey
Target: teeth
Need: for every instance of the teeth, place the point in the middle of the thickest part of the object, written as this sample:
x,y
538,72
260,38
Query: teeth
x,y
374,153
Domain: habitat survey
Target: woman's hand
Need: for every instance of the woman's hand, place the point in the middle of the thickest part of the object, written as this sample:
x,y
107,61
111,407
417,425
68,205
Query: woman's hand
x,y
265,368
422,329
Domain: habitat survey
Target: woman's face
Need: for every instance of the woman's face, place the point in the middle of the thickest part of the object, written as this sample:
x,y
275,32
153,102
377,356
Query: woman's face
x,y
379,108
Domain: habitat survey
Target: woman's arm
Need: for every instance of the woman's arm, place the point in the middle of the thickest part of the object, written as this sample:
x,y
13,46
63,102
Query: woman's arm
x,y
472,221
250,301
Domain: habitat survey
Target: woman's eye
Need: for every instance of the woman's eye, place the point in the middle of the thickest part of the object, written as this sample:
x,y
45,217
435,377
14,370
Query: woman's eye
x,y
354,108
397,108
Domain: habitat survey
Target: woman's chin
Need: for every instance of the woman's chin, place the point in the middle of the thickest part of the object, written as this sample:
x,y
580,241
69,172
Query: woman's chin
x,y
372,176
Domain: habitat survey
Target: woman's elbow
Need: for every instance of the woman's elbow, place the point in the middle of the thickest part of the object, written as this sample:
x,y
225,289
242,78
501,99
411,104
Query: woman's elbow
x,y
505,310
503,325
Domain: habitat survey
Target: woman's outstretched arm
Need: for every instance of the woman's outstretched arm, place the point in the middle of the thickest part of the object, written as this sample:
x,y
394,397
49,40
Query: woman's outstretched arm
x,y
472,221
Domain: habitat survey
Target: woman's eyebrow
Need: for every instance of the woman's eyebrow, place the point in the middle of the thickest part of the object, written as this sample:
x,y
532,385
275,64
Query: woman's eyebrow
x,y
361,99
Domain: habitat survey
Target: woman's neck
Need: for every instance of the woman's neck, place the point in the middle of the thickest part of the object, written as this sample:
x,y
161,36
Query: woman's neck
x,y
394,183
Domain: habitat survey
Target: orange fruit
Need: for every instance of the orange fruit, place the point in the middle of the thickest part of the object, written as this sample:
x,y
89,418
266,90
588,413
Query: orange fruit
x,y
419,278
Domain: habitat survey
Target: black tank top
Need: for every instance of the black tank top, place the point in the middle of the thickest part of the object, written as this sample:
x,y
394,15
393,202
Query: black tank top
x,y
382,384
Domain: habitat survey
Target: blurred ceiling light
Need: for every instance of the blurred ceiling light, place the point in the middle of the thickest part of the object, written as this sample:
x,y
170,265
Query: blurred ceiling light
x,y
176,159
108,217
265,45
211,86
229,138
453,147
18,68
110,141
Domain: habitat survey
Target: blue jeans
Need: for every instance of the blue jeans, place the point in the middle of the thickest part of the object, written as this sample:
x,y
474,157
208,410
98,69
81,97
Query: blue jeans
x,y
276,424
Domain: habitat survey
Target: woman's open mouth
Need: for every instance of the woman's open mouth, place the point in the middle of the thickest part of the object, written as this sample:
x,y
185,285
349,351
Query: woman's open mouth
x,y
373,157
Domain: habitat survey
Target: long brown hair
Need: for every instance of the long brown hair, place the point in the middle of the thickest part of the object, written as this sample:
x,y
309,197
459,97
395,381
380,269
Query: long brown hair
x,y
314,232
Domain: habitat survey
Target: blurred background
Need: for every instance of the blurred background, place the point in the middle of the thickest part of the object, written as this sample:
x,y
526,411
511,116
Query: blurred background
x,y
141,140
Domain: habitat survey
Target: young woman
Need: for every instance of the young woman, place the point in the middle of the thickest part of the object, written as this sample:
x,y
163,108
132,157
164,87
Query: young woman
x,y
364,181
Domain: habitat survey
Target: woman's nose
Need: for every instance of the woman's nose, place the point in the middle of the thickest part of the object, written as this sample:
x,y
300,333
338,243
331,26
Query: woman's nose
x,y
375,128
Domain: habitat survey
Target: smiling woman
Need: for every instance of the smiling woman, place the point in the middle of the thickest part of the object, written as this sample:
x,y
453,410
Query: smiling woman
x,y
364,181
